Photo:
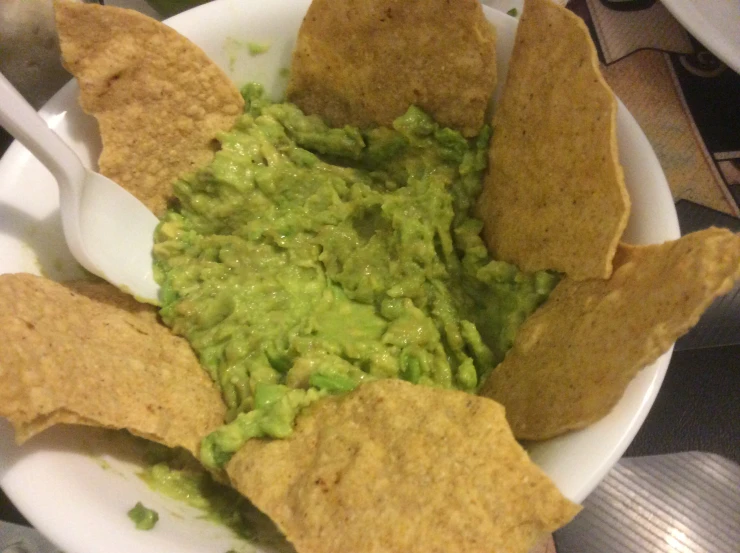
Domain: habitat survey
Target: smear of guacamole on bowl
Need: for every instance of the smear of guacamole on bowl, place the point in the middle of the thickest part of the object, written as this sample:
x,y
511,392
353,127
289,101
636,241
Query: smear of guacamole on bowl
x,y
306,260
257,48
176,474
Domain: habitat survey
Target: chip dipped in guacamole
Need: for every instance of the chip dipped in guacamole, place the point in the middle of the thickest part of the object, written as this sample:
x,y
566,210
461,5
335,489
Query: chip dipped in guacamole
x,y
305,260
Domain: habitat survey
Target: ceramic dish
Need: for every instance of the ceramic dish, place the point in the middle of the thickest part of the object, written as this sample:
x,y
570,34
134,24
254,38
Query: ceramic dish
x,y
75,485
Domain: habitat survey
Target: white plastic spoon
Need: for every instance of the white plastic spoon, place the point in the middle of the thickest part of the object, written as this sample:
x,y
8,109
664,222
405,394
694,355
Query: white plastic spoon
x,y
108,230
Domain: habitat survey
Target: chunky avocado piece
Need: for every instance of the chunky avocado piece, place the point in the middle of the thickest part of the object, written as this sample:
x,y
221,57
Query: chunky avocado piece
x,y
144,518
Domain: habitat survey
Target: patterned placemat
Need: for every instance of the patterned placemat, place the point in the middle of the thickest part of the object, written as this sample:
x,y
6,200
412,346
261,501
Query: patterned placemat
x,y
683,97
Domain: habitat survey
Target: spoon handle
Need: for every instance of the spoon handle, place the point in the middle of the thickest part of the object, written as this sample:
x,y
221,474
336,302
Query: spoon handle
x,y
27,126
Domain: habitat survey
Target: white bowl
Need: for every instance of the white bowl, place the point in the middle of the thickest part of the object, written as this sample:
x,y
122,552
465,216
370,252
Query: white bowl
x,y
58,480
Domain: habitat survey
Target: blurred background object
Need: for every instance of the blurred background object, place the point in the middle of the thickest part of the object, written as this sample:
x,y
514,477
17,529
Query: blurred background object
x,y
138,5
167,8
29,49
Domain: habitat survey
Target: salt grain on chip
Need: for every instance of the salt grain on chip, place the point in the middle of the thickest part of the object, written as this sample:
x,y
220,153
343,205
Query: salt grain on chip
x,y
554,196
159,100
574,357
86,353
364,62
398,467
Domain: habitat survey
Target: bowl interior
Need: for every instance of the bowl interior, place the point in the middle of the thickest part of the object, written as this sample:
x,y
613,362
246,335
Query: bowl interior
x,y
93,473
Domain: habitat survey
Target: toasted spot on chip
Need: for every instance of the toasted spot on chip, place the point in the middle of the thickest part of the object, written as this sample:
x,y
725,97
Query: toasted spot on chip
x,y
574,357
364,62
159,100
399,467
86,353
554,196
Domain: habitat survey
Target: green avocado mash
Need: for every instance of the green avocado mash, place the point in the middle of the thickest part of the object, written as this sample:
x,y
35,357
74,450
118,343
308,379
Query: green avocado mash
x,y
144,518
305,260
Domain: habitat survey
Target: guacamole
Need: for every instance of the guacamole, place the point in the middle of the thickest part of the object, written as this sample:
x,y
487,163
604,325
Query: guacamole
x,y
305,260
176,474
143,517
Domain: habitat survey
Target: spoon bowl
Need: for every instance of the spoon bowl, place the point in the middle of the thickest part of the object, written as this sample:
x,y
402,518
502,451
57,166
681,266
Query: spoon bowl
x,y
109,231
116,233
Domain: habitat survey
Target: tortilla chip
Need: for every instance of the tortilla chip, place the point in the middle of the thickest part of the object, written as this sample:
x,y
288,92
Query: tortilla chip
x,y
554,196
89,354
399,467
364,62
573,358
159,100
